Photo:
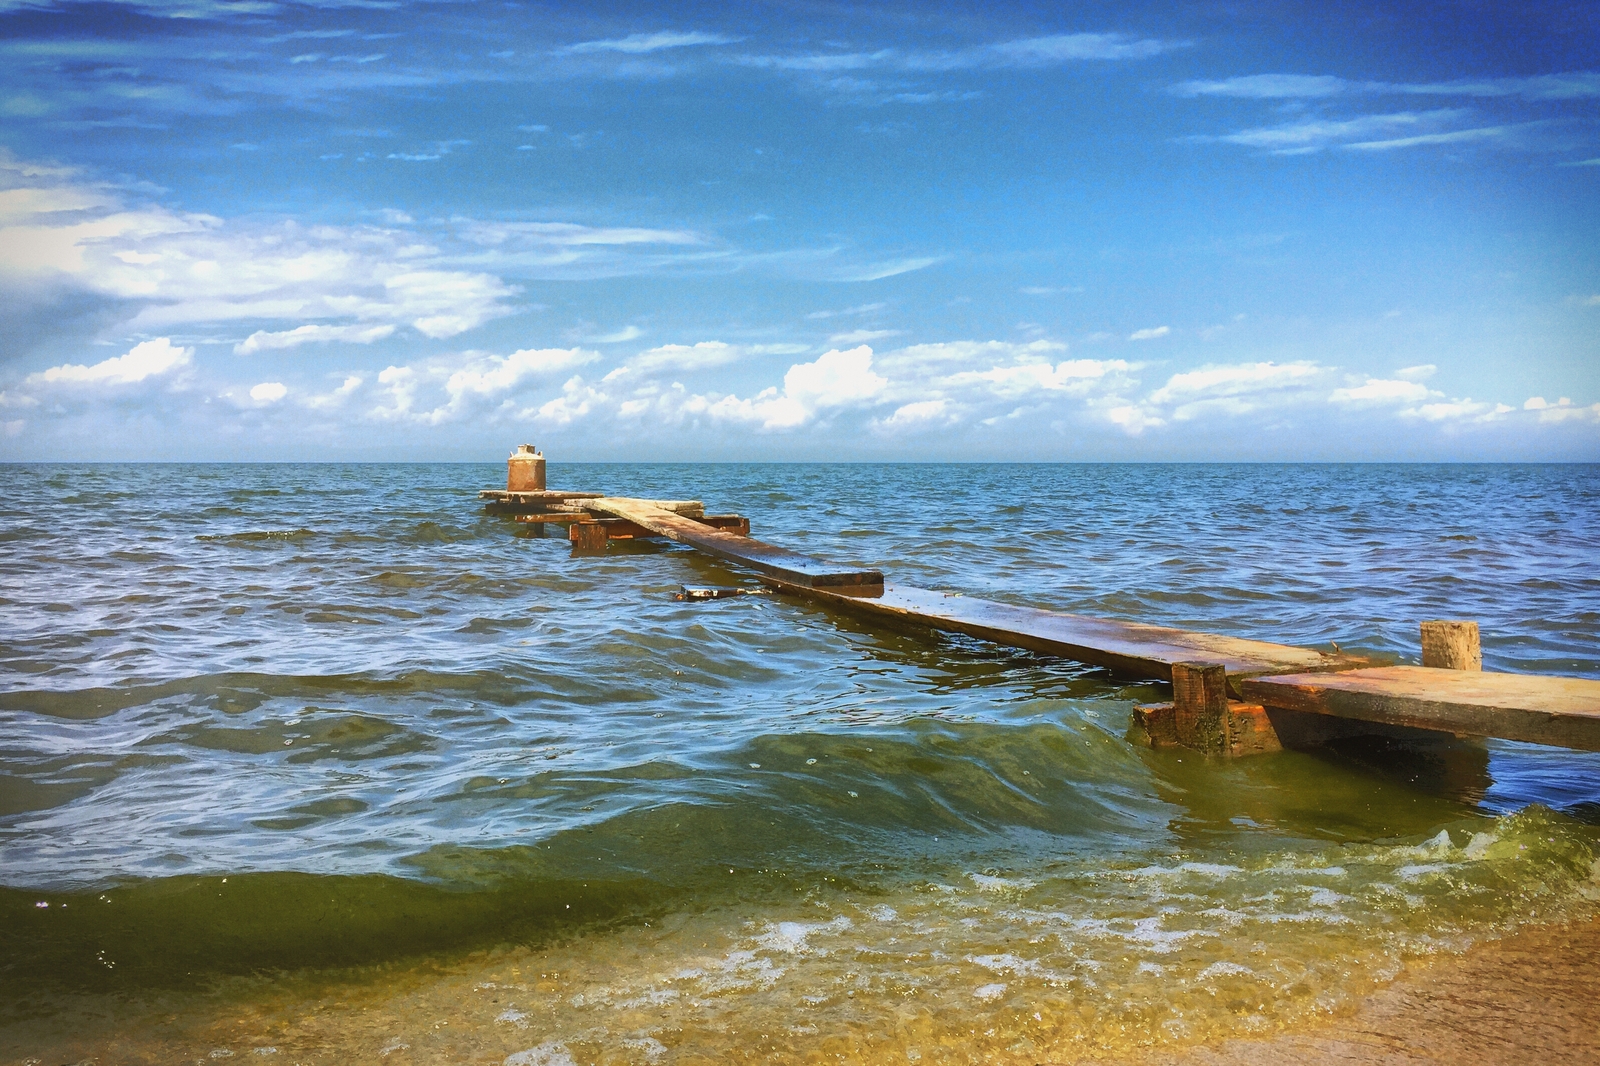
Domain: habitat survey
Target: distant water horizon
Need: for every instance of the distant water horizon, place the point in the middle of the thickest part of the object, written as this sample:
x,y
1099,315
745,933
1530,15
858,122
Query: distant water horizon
x,y
304,759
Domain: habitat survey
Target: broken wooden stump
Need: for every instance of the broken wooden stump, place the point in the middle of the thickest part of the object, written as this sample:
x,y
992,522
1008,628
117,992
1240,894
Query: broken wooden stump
x,y
1451,646
1202,717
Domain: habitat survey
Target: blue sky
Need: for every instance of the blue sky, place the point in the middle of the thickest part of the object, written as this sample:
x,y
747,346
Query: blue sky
x,y
279,230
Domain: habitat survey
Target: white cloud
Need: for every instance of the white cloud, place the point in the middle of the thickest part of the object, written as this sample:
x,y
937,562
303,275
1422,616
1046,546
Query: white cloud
x,y
441,278
1480,133
835,379
860,336
269,392
1265,86
640,43
1572,86
1383,390
1149,334
261,340
1563,410
1133,419
1421,372
888,268
146,360
1314,134
338,396
701,356
1073,46
1235,389
626,333
494,375
920,415
1449,410
570,234
867,309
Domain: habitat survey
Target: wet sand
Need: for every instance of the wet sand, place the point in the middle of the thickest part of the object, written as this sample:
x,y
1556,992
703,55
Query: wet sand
x,y
1531,998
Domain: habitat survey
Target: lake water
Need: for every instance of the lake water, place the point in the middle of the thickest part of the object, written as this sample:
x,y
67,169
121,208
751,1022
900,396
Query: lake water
x,y
321,763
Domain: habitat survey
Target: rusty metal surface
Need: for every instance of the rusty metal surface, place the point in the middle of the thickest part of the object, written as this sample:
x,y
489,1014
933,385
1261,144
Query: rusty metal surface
x,y
1130,649
767,559
1540,709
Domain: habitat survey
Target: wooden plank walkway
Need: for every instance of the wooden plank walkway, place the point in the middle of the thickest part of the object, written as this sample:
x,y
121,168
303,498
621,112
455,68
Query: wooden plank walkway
x,y
1563,711
1126,648
789,567
1547,710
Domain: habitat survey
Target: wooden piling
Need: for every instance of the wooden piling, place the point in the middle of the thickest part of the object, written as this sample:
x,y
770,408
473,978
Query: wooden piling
x,y
587,536
1451,646
1200,706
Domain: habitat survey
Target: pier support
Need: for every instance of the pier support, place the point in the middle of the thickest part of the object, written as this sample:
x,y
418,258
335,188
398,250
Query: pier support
x,y
1451,646
1202,717
587,536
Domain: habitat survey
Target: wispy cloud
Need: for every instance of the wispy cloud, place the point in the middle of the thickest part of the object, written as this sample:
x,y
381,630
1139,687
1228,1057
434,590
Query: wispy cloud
x,y
641,43
1315,134
1578,85
263,340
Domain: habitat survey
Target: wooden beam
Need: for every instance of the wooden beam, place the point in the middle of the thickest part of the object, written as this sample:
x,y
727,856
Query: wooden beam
x,y
1129,649
790,567
1564,711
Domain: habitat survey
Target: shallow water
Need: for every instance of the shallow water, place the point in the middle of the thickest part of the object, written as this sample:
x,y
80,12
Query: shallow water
x,y
321,758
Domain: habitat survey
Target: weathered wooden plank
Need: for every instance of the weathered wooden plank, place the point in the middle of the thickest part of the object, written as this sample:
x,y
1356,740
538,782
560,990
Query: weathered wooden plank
x,y
541,496
1130,649
1564,711
769,560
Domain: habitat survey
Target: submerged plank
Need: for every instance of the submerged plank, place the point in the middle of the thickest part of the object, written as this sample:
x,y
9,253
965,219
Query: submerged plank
x,y
769,560
1131,649
1564,711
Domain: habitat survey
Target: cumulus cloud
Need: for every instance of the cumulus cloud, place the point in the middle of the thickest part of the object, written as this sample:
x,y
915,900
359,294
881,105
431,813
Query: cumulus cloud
x,y
1563,410
923,414
154,358
1235,389
1383,390
835,379
338,396
1149,334
269,392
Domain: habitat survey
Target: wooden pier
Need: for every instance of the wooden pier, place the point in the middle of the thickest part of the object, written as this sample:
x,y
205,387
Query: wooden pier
x,y
1232,696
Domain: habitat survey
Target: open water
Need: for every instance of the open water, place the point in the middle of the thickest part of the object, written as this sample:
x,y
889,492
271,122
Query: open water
x,y
320,763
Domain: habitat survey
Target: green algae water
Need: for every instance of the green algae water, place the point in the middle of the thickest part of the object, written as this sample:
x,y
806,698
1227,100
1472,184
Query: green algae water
x,y
321,764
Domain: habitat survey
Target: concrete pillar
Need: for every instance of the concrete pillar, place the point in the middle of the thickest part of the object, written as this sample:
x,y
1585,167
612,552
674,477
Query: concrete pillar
x,y
525,470
1451,646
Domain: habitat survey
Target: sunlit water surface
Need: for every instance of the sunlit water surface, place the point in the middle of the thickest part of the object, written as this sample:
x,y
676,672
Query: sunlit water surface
x,y
323,764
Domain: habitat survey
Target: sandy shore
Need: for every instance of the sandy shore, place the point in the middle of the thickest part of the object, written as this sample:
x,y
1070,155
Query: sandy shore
x,y
1532,998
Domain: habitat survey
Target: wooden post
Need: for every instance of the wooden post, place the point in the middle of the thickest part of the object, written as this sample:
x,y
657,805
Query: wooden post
x,y
525,470
1451,646
1200,706
587,536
